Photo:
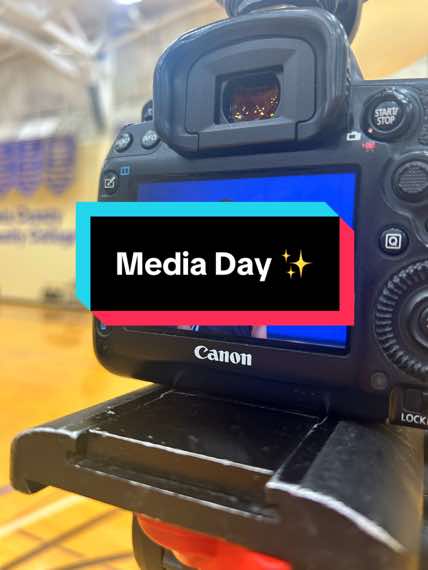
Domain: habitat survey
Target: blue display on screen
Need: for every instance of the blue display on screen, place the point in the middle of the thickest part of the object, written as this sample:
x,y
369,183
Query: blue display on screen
x,y
338,190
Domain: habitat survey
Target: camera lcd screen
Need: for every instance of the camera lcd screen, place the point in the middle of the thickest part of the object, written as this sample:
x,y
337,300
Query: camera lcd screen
x,y
338,190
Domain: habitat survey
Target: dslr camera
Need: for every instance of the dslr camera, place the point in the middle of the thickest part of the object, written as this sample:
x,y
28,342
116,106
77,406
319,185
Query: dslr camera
x,y
269,105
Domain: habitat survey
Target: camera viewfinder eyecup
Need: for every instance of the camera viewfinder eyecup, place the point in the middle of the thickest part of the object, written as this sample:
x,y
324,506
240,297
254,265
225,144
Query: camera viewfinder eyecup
x,y
289,70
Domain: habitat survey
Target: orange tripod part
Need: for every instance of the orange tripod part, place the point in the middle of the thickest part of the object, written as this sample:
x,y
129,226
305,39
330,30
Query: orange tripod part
x,y
204,552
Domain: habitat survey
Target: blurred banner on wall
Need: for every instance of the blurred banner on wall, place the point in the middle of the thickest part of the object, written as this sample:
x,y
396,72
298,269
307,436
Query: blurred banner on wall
x,y
41,179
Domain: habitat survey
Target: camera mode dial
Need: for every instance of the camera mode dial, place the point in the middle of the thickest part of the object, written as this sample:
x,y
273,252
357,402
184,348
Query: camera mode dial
x,y
401,320
389,114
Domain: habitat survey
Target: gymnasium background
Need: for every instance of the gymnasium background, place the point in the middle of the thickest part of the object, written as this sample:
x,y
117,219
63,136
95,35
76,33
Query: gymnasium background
x,y
71,73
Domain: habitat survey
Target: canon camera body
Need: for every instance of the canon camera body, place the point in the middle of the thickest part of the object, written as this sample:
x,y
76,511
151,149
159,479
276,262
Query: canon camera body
x,y
270,106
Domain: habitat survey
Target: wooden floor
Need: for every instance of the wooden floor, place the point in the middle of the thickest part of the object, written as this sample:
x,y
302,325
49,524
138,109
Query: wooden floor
x,y
47,370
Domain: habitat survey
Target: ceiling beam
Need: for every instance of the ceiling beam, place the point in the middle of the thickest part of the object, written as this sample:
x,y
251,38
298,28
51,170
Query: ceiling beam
x,y
29,43
163,22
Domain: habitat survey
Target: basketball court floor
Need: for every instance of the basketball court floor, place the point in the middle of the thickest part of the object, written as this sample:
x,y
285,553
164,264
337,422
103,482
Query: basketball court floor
x,y
48,370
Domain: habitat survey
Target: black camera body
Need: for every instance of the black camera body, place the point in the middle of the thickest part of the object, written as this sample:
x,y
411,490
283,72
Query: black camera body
x,y
273,95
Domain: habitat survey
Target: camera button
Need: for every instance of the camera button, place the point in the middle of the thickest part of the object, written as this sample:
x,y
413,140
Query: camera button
x,y
393,241
150,139
410,180
418,319
123,142
423,322
110,182
387,115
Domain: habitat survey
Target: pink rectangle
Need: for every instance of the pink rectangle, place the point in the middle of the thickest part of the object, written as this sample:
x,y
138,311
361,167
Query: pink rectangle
x,y
223,318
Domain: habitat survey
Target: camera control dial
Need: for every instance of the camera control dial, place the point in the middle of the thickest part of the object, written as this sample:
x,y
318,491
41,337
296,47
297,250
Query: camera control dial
x,y
401,320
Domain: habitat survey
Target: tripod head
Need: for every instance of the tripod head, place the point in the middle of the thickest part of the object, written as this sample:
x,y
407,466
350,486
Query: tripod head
x,y
348,12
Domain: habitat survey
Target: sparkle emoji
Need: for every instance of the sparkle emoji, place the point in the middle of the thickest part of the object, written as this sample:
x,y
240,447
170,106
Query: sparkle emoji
x,y
301,264
286,256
